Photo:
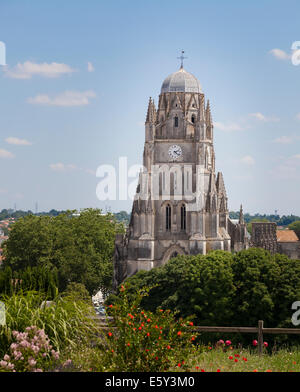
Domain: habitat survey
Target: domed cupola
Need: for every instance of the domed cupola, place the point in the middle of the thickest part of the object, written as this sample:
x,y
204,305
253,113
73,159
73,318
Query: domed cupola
x,y
181,81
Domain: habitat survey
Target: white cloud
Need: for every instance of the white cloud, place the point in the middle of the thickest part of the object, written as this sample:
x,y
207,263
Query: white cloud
x,y
61,167
248,160
280,54
6,154
261,117
90,67
29,69
17,141
228,127
283,140
67,98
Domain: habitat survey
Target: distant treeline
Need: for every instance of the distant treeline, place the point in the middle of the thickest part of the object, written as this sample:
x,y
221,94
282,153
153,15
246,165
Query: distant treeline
x,y
284,220
124,216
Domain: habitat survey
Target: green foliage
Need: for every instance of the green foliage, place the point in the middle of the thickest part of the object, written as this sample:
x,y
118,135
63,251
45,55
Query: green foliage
x,y
296,227
225,289
66,322
79,247
193,285
145,341
32,278
77,291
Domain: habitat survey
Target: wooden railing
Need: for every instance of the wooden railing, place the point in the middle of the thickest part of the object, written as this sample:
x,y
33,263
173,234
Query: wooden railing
x,y
259,330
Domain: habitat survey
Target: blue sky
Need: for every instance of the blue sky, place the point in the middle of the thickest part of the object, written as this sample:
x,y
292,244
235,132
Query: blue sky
x,y
79,74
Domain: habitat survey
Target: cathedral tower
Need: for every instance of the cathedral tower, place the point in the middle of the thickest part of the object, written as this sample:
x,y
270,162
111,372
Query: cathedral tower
x,y
180,205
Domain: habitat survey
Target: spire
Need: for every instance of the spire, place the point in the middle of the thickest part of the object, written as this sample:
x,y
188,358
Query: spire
x,y
208,114
151,112
220,184
241,218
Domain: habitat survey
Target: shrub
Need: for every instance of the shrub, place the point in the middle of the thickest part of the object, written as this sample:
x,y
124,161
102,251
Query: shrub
x,y
144,340
31,351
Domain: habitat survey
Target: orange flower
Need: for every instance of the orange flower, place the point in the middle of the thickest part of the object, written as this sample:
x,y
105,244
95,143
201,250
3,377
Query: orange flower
x,y
268,370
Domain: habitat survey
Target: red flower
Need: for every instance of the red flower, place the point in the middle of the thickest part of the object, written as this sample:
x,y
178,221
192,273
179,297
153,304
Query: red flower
x,y
265,344
254,342
156,326
160,331
209,348
236,360
156,358
231,357
245,359
161,310
236,355
191,323
179,365
218,370
140,328
268,370
168,347
148,321
112,351
193,338
109,334
179,333
197,367
128,344
110,306
202,370
142,325
255,370
228,342
148,334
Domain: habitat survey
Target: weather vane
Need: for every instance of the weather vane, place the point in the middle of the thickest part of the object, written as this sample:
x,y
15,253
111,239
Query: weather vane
x,y
182,58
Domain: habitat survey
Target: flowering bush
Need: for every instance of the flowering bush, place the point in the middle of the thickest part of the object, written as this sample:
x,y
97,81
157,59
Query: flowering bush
x,y
144,340
30,352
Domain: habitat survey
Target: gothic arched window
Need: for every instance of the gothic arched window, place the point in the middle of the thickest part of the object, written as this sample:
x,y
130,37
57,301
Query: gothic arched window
x,y
176,121
183,217
168,217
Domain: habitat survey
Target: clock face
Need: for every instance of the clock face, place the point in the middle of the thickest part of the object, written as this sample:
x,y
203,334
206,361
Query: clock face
x,y
175,151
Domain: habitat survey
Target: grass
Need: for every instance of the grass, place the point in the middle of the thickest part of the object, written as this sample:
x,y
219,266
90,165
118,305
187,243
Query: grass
x,y
283,360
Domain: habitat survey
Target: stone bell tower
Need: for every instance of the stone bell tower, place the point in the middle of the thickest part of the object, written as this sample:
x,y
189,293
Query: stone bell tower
x,y
180,206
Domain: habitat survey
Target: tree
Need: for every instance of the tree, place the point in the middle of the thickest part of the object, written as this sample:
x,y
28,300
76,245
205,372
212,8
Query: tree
x,y
296,227
79,247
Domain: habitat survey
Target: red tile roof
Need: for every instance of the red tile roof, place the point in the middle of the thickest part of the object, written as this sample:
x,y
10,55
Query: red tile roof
x,y
287,236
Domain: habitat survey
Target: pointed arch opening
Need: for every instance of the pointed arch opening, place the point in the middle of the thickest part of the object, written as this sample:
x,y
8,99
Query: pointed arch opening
x,y
183,217
176,121
168,217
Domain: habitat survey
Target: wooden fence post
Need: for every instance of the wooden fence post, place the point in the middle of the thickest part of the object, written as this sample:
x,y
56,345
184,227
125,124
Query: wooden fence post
x,y
260,337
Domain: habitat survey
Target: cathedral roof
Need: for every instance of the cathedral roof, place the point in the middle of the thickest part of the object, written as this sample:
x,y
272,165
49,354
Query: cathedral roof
x,y
181,81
